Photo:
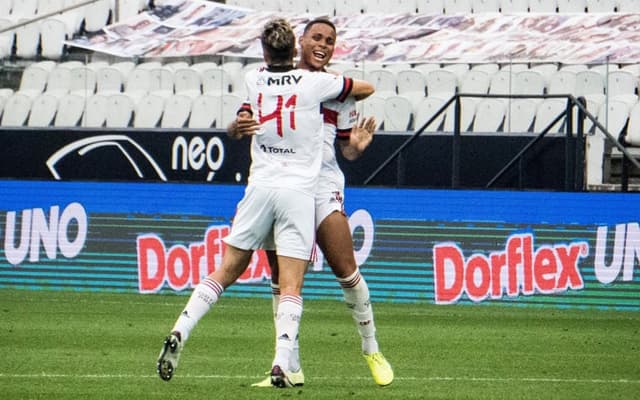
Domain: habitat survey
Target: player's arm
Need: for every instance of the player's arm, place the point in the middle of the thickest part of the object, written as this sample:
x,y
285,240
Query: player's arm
x,y
244,125
365,89
360,138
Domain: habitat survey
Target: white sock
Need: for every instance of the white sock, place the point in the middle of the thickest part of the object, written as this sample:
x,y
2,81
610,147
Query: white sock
x,y
203,297
294,361
356,295
287,328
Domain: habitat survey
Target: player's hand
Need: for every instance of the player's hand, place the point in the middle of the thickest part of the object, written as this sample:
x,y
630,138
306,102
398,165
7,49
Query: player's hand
x,y
244,125
363,132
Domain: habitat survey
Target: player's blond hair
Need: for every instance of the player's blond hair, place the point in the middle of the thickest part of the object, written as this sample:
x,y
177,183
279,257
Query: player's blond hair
x,y
279,40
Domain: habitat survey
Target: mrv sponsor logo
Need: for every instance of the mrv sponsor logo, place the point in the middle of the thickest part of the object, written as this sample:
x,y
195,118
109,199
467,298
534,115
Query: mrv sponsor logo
x,y
28,231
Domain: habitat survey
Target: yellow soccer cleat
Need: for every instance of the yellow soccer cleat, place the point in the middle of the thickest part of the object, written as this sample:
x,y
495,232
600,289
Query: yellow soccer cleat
x,y
380,368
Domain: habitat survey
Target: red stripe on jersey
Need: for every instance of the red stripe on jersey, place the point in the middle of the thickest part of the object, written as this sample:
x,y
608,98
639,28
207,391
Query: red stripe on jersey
x,y
343,133
330,116
245,107
346,89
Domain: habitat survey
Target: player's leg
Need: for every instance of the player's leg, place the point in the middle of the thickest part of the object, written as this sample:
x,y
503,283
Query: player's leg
x,y
287,322
251,223
336,243
203,297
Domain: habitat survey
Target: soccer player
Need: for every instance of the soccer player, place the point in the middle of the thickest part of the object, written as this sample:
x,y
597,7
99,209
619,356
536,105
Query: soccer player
x,y
332,228
279,198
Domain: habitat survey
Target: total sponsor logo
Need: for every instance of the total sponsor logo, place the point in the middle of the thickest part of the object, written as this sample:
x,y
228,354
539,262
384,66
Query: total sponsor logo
x,y
276,150
523,269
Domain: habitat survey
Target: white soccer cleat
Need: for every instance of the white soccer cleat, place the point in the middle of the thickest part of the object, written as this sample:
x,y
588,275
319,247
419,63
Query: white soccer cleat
x,y
169,356
296,379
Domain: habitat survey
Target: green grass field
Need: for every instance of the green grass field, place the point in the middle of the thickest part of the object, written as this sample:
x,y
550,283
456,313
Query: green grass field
x,y
78,345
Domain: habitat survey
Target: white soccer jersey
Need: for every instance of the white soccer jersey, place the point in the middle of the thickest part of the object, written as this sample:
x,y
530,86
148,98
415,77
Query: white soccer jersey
x,y
287,104
339,118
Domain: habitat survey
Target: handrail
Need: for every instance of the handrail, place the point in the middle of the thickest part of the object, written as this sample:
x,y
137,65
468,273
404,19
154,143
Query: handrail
x,y
571,102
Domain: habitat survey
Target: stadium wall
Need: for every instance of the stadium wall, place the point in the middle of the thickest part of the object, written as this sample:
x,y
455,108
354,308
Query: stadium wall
x,y
553,249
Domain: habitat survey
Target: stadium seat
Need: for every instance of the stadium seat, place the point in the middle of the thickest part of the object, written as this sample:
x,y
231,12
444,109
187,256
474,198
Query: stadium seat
x,y
602,6
297,6
230,105
411,84
119,111
161,82
501,82
128,9
175,65
187,82
519,115
589,83
628,6
633,129
547,111
215,81
83,81
383,80
621,82
43,110
467,110
109,80
6,39
349,7
489,115
58,82
543,6
430,6
389,6
425,110
575,68
514,6
176,111
23,9
374,106
545,69
205,111
441,83
480,6
321,7
354,73
475,81
27,40
562,82
572,6
5,7
397,114
614,115
457,6
5,93
138,82
95,111
70,110
529,82
148,111
425,68
96,15
16,110
459,69
34,80
489,68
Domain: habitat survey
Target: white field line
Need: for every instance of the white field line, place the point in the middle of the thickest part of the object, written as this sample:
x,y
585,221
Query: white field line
x,y
45,375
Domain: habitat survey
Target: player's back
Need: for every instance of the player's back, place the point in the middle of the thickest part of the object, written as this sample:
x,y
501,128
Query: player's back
x,y
286,102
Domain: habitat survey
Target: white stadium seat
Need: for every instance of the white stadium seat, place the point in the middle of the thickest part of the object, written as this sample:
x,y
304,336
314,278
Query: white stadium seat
x,y
205,111
176,111
16,110
70,110
43,110
397,113
489,115
148,111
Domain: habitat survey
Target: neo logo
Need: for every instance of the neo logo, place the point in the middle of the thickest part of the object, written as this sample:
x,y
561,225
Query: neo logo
x,y
196,154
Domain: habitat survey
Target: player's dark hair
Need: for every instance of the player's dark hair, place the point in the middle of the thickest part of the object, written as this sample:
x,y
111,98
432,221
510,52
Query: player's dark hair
x,y
320,20
279,40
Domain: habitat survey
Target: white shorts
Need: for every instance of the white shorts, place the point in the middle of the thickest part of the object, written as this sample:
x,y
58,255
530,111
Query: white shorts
x,y
326,203
285,212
